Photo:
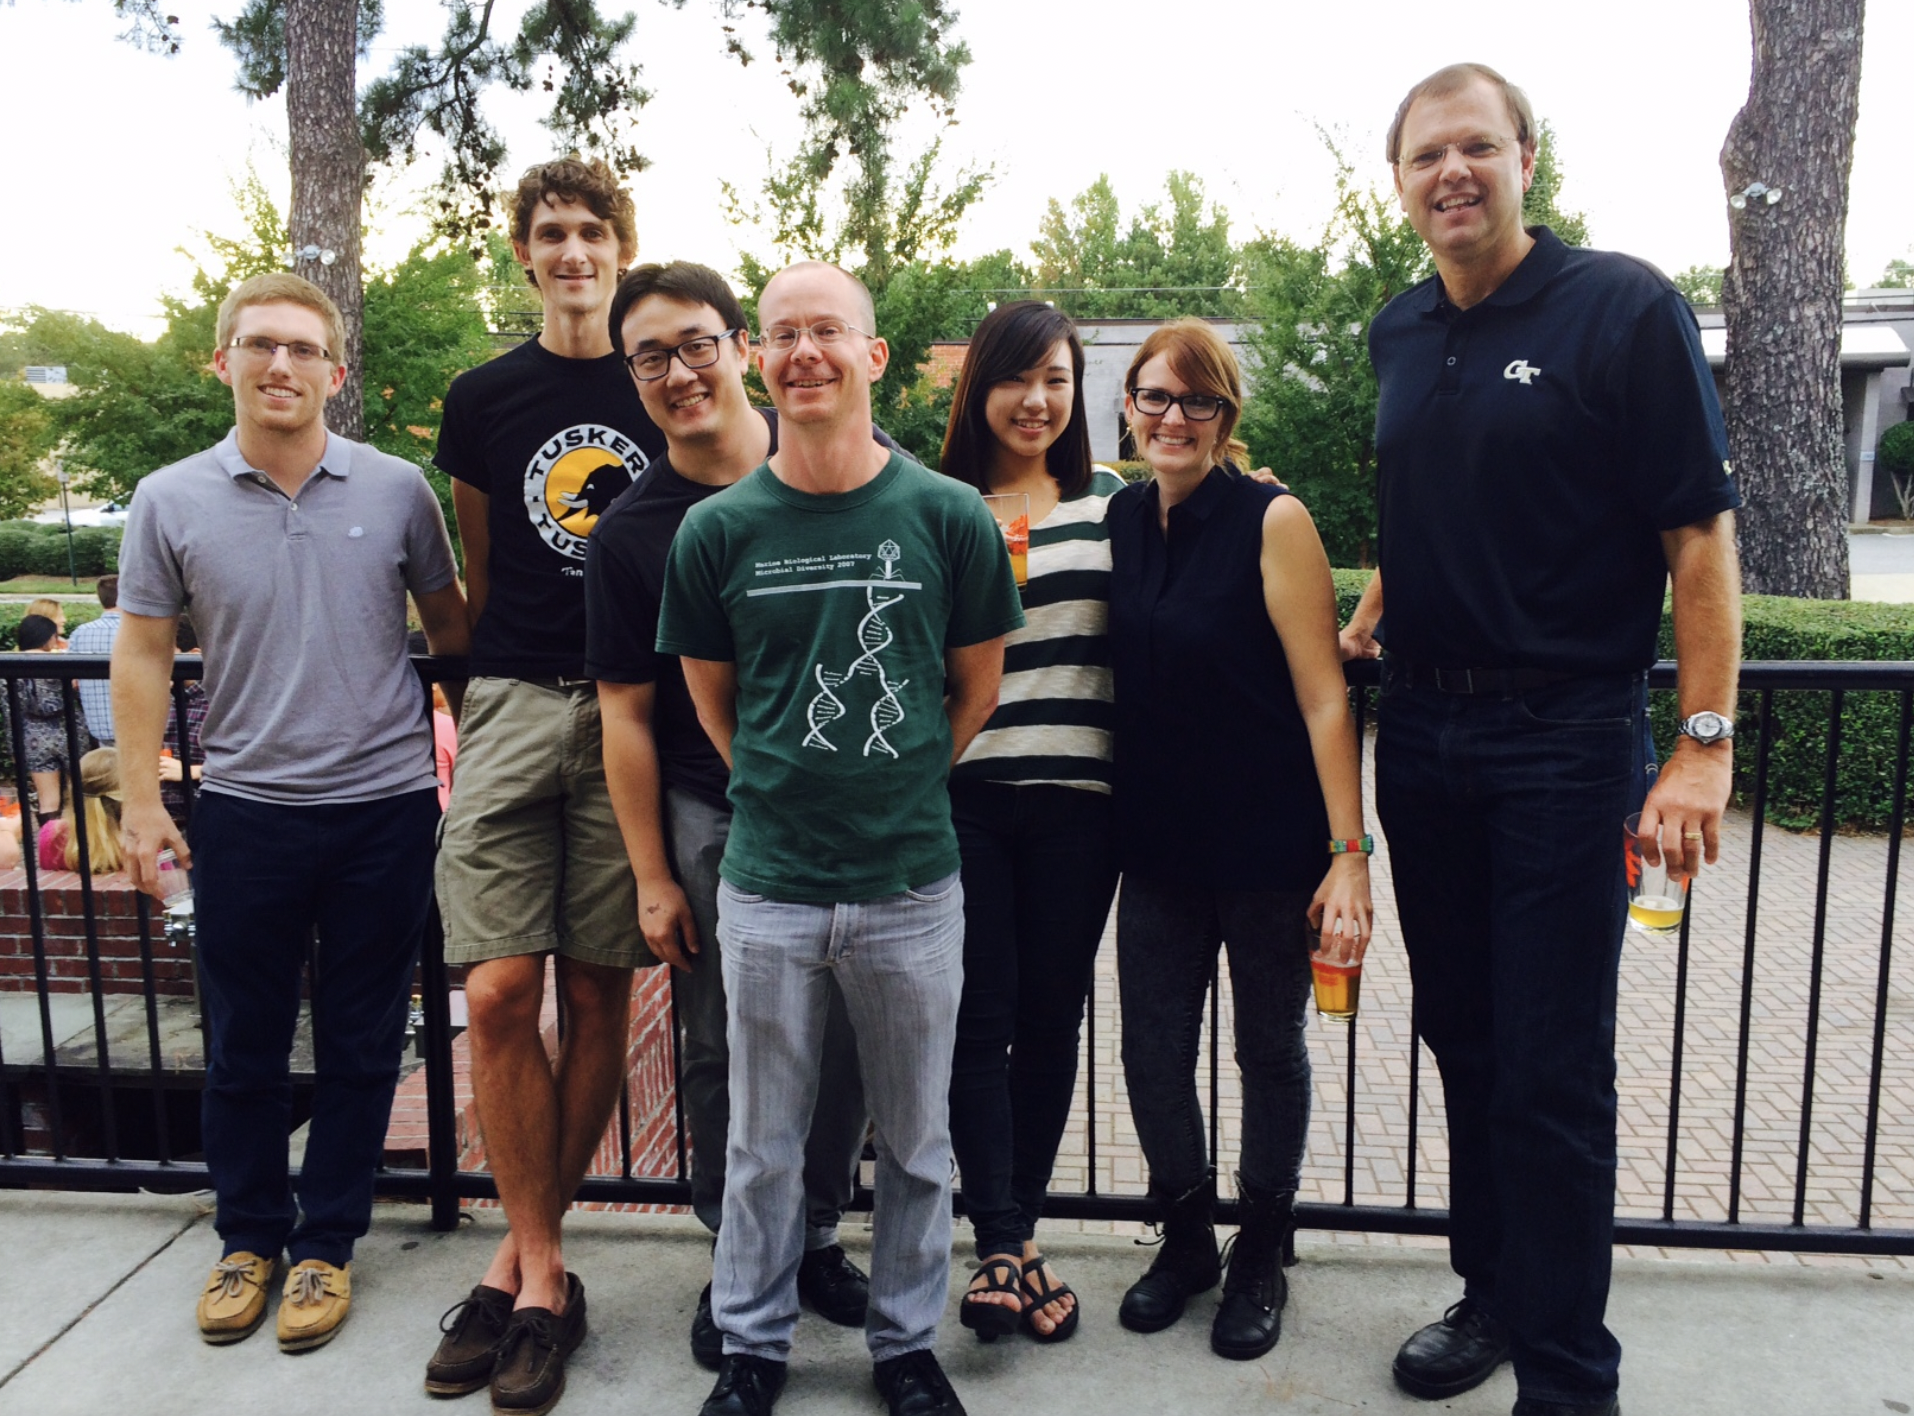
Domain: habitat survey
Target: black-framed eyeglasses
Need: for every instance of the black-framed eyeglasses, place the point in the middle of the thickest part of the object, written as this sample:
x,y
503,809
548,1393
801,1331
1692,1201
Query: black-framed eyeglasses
x,y
302,351
784,338
648,365
1197,407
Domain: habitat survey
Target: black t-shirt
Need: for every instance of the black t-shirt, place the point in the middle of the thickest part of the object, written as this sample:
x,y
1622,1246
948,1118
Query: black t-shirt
x,y
553,442
624,588
1530,450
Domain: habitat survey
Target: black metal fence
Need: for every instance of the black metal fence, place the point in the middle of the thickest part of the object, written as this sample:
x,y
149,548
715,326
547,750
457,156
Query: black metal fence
x,y
1767,1118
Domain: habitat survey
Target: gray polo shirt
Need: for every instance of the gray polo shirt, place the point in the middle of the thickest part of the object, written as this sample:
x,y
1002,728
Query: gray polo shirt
x,y
300,606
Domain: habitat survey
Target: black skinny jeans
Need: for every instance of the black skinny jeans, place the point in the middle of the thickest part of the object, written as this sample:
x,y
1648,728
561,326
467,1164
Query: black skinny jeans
x,y
1167,938
1039,870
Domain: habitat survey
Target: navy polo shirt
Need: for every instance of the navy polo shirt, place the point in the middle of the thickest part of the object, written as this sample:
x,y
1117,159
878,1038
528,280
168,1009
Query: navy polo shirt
x,y
1530,450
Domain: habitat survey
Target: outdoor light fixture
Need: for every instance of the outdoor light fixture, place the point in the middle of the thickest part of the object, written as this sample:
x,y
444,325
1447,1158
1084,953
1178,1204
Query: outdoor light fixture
x,y
1754,192
314,253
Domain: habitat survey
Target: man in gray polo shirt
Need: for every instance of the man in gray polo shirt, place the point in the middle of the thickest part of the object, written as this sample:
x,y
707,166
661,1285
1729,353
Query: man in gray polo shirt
x,y
295,549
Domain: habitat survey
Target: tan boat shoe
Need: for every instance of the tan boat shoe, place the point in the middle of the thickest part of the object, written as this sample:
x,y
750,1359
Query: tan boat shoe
x,y
233,1303
314,1305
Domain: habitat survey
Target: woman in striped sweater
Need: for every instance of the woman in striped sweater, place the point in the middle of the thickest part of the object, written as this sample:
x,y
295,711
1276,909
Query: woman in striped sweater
x,y
1031,802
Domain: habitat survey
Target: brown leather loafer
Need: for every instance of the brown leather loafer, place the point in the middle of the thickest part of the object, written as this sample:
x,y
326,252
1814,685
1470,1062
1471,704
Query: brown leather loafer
x,y
468,1353
315,1304
233,1303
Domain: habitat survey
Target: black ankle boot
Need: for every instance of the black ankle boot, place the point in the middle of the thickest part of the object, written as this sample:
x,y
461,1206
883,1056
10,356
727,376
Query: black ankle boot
x,y
1251,1317
1186,1265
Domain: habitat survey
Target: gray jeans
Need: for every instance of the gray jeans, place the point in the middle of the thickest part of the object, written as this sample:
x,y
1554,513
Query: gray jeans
x,y
899,961
698,831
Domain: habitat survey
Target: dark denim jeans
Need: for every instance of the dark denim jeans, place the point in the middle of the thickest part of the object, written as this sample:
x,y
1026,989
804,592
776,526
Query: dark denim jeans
x,y
1039,869
264,876
1503,817
1167,937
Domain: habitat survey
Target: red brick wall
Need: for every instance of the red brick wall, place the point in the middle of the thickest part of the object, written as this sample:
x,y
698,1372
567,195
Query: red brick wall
x,y
116,926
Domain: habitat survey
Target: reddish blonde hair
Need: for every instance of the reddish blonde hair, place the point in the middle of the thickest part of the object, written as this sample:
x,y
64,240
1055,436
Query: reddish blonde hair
x,y
1203,361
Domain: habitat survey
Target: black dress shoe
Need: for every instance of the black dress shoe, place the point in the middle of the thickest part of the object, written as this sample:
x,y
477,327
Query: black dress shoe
x,y
1529,1406
1453,1355
914,1385
747,1386
837,1289
707,1343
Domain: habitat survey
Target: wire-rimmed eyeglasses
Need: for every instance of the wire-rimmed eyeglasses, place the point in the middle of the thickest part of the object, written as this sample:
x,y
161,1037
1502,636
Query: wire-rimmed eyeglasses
x,y
783,338
301,351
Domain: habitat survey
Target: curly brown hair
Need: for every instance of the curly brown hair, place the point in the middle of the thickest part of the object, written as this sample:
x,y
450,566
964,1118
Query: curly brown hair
x,y
575,179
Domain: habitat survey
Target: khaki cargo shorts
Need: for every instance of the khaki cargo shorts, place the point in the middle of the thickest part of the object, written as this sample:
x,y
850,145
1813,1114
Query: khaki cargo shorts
x,y
530,858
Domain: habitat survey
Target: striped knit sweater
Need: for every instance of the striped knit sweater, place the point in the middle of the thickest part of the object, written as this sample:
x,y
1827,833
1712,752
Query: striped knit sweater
x,y
1054,718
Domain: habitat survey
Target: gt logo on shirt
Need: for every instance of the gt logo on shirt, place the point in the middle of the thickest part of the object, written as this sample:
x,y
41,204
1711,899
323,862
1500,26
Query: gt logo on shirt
x,y
573,477
1520,370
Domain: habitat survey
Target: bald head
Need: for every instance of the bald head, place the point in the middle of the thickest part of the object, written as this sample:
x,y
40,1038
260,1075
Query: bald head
x,y
810,275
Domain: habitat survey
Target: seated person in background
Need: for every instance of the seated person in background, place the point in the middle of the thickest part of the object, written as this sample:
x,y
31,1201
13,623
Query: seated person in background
x,y
52,609
100,785
174,767
42,728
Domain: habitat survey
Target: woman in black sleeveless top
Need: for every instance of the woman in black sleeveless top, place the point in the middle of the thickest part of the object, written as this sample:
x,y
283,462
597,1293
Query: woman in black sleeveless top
x,y
1235,770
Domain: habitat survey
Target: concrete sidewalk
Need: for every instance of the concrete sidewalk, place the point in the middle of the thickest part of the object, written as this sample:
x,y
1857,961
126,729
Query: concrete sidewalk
x,y
96,1318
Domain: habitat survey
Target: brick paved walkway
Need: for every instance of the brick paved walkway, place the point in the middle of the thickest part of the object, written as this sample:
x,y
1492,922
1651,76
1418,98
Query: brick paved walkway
x,y
1776,1057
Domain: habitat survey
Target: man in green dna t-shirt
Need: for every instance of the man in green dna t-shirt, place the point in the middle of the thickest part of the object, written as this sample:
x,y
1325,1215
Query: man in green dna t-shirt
x,y
840,616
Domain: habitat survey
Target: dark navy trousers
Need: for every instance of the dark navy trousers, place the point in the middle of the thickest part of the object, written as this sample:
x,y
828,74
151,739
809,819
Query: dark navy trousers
x,y
265,877
1504,825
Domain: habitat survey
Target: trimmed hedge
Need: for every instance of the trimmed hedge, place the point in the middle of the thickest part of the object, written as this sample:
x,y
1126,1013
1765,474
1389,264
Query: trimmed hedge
x,y
39,548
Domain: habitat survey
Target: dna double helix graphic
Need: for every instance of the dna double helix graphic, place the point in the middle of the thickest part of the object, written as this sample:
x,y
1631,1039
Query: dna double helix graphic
x,y
826,707
875,635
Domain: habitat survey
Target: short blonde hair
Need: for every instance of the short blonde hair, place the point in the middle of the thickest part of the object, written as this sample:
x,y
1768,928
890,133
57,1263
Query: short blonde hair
x,y
283,288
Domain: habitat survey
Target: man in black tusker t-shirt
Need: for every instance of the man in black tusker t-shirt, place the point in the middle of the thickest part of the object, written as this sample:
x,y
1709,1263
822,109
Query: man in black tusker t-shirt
x,y
539,443
668,782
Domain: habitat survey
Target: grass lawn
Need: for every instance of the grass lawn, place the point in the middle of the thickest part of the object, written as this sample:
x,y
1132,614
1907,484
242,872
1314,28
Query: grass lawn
x,y
48,585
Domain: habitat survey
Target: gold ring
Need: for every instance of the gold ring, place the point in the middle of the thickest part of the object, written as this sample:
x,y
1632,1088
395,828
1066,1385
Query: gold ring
x,y
1693,836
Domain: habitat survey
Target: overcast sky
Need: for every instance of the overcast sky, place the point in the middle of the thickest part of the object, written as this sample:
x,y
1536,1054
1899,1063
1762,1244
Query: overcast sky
x,y
115,157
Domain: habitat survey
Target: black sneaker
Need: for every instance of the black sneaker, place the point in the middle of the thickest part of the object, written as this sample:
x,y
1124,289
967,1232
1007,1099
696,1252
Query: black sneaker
x,y
468,1352
747,1386
530,1376
707,1343
914,1385
1453,1355
837,1289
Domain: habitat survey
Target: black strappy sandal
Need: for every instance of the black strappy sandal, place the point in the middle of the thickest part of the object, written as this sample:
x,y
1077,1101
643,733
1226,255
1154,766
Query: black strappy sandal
x,y
1037,1293
991,1321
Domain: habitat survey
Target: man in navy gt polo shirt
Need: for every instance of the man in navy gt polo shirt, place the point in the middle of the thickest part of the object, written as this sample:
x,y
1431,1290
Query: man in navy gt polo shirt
x,y
1550,450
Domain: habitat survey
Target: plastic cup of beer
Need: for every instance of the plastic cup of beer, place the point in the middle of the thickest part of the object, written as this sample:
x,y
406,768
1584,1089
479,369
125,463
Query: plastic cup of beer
x,y
1338,984
1657,894
1012,510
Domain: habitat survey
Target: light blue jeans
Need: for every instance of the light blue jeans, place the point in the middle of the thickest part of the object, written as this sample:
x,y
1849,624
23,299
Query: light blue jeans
x,y
899,963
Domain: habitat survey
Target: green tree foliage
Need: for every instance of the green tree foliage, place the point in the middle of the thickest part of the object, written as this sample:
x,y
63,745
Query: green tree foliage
x,y
1701,285
1311,409
1540,205
141,406
1899,275
1895,452
26,437
1174,258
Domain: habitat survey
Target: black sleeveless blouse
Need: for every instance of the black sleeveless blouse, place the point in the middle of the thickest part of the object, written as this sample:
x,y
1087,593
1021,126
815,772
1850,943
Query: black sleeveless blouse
x,y
1215,783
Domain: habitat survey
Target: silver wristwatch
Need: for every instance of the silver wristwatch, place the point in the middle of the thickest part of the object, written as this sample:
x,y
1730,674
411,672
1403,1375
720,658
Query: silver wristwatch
x,y
1706,728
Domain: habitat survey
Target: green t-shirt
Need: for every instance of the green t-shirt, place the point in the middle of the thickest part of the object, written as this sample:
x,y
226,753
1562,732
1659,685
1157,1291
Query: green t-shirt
x,y
837,611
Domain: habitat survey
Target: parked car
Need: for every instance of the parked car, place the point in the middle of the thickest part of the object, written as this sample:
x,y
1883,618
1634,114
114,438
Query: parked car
x,y
112,514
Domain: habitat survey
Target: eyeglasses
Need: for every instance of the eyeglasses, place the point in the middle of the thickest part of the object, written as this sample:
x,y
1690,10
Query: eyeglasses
x,y
299,349
1197,407
825,333
648,365
1474,150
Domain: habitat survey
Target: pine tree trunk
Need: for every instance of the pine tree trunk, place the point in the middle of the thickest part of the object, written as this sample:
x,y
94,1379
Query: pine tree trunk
x,y
328,176
1782,295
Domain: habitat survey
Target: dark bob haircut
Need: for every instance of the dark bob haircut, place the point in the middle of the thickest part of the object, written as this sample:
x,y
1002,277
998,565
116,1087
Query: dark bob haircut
x,y
686,281
35,632
1013,337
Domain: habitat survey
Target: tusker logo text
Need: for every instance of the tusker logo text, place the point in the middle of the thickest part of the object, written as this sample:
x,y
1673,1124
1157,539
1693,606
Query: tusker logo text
x,y
573,477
